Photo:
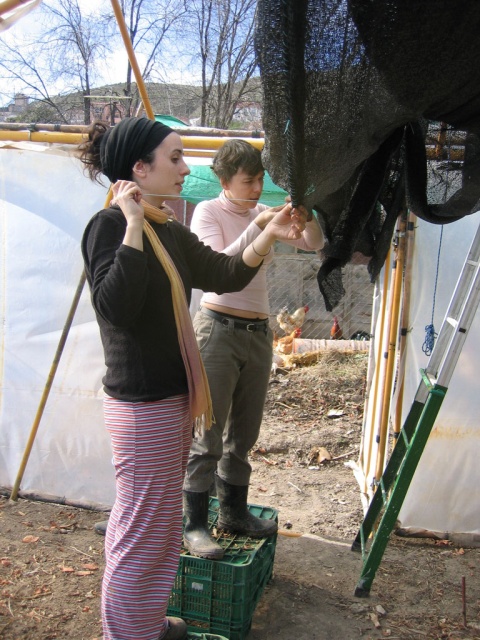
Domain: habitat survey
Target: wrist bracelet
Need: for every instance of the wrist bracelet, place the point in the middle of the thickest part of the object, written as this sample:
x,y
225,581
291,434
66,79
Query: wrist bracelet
x,y
260,255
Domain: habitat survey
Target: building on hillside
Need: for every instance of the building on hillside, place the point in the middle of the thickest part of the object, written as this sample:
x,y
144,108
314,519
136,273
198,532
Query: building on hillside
x,y
249,114
110,109
15,108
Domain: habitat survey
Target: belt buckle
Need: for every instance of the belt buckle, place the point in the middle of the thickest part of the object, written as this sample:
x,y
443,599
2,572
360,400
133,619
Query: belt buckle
x,y
251,327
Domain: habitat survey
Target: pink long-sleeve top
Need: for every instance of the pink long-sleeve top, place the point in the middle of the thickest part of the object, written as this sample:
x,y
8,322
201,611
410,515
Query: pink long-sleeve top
x,y
229,228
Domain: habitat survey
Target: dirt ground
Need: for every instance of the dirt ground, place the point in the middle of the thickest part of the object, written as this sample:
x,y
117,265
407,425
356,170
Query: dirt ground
x,y
51,560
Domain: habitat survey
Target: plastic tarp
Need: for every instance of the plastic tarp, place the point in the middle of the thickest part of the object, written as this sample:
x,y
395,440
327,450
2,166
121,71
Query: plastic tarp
x,y
444,494
352,92
445,491
45,204
203,184
171,121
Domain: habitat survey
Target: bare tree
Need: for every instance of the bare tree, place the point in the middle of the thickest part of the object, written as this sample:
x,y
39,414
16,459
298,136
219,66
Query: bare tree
x,y
71,44
63,54
21,66
151,25
77,42
225,49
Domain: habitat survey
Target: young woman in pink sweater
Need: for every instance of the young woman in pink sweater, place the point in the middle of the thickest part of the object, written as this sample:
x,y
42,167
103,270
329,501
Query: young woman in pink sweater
x,y
235,342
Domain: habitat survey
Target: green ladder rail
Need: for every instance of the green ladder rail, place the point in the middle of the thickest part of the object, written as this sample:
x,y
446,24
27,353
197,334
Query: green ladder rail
x,y
397,476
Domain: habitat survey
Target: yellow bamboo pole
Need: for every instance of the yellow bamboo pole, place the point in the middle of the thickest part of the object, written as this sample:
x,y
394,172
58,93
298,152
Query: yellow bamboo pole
x,y
382,323
132,59
51,376
407,289
42,136
214,142
205,132
194,146
397,283
47,388
10,5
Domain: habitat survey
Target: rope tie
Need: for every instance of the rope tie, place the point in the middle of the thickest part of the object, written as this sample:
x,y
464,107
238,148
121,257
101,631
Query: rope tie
x,y
431,335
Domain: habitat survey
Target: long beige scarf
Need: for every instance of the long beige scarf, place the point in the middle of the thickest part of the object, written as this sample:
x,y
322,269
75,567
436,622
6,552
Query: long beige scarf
x,y
198,389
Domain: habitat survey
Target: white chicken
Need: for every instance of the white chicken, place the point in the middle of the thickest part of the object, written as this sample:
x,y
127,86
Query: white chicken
x,y
289,322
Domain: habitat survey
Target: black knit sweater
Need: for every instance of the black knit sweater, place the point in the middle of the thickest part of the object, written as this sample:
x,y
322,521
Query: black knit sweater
x,y
131,295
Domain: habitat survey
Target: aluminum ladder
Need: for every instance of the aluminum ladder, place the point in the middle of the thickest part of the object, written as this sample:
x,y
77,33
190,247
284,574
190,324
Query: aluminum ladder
x,y
392,488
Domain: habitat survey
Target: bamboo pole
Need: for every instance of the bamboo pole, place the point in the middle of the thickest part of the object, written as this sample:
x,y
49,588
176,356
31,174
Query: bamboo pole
x,y
132,59
11,5
397,283
198,142
405,319
47,388
42,136
25,126
194,146
30,132
369,445
83,128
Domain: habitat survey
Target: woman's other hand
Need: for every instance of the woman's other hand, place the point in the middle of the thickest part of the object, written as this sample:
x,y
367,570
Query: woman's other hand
x,y
264,217
288,223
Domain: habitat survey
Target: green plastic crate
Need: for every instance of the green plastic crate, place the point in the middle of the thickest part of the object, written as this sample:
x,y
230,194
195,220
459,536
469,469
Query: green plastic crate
x,y
204,636
220,596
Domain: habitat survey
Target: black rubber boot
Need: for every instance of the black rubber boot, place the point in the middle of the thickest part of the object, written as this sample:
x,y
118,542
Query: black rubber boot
x,y
196,535
234,515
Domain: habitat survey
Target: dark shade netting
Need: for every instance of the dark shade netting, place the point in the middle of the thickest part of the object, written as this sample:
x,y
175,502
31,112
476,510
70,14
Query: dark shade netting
x,y
371,107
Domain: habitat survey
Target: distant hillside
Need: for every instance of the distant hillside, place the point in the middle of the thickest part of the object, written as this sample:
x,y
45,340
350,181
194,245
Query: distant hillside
x,y
109,101
180,100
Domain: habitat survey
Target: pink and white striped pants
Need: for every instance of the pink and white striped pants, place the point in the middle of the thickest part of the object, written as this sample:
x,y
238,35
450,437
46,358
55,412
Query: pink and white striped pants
x,y
150,443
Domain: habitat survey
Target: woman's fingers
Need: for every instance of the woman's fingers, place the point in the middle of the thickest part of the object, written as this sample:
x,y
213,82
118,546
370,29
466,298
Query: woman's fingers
x,y
126,189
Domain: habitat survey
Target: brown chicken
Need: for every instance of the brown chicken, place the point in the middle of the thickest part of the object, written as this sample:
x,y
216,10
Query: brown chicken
x,y
335,332
285,344
288,322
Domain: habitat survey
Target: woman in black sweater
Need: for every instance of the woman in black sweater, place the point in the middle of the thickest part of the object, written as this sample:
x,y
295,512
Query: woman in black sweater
x,y
141,265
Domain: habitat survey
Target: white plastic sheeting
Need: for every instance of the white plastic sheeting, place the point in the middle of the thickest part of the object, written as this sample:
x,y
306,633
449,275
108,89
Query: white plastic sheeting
x,y
45,203
444,495
445,492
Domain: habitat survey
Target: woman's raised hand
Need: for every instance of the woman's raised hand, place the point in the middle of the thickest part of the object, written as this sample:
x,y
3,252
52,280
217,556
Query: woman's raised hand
x,y
128,195
288,223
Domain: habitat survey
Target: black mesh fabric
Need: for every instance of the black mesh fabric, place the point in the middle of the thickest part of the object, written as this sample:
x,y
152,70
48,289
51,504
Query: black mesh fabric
x,y
371,107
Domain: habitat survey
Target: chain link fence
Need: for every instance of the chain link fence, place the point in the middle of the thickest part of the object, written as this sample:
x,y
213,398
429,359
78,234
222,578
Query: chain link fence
x,y
292,283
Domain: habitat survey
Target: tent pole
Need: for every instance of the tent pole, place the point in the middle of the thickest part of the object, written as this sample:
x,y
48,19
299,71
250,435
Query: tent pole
x,y
379,342
51,375
390,354
47,388
10,5
410,237
132,59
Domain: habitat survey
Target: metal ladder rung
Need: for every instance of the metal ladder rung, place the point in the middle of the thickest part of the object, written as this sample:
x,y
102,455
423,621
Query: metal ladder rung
x,y
398,473
405,437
